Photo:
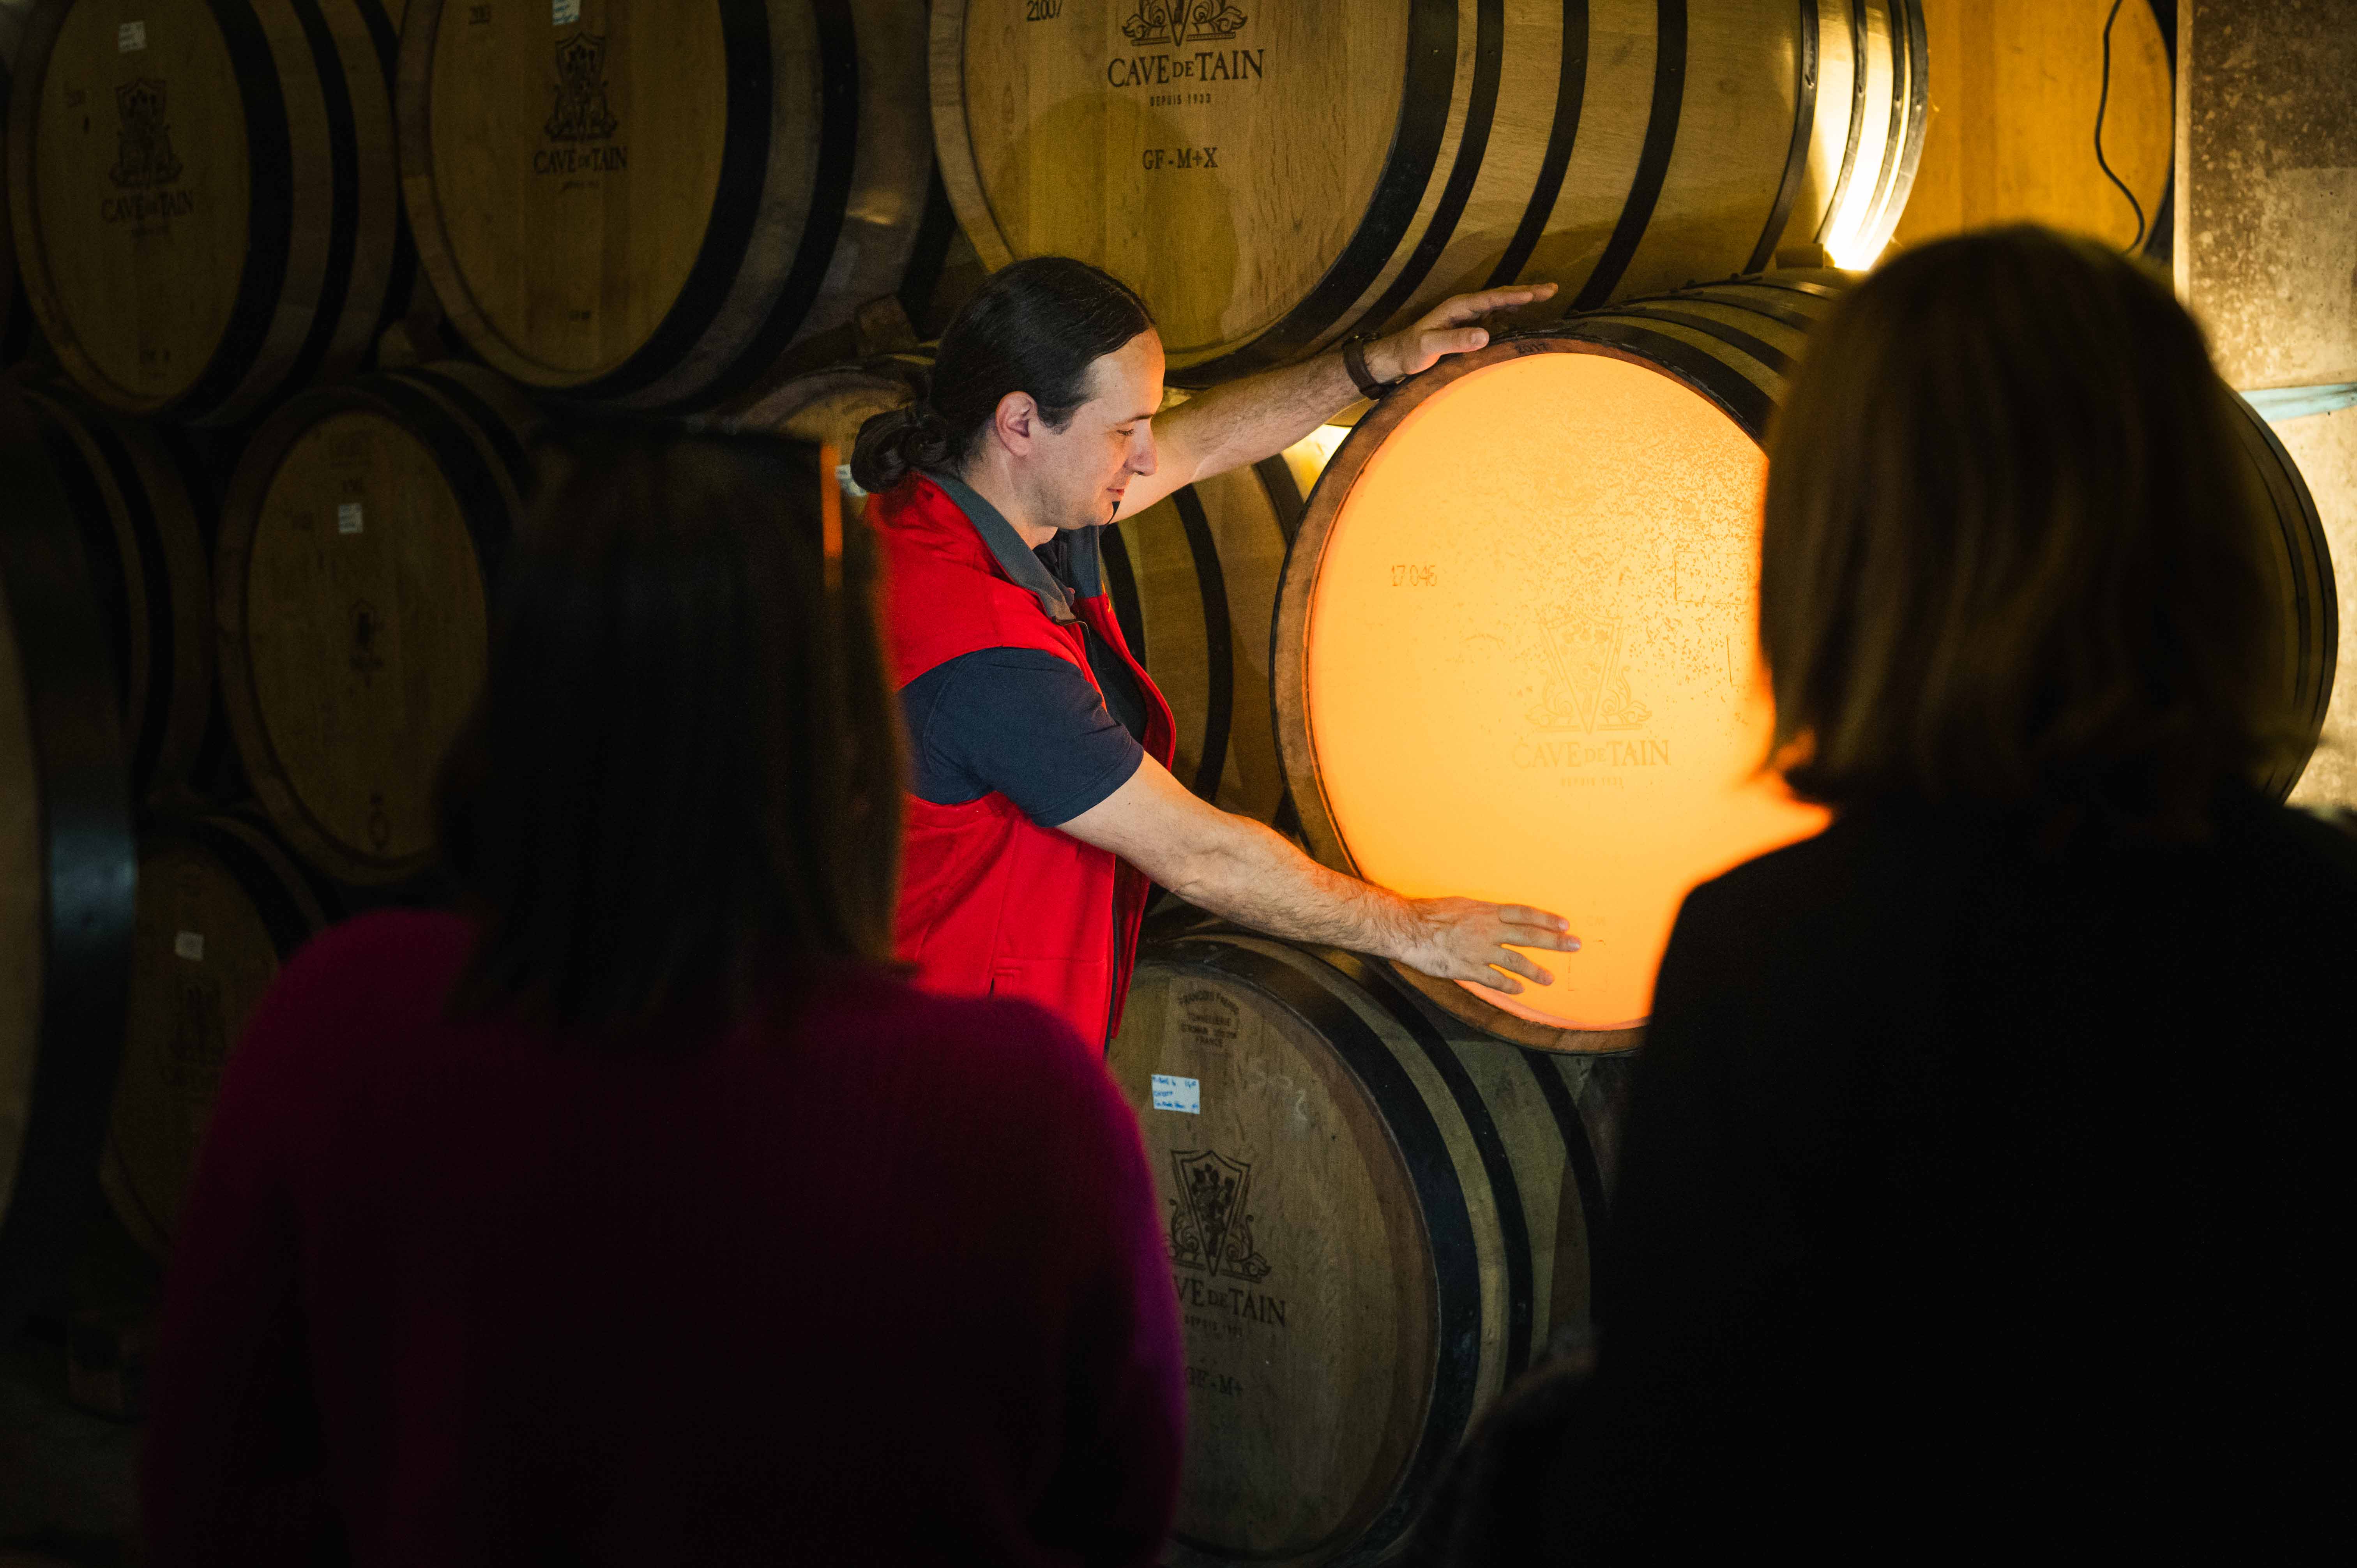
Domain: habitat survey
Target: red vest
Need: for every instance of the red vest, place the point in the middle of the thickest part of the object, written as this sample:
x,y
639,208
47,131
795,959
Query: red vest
x,y
992,904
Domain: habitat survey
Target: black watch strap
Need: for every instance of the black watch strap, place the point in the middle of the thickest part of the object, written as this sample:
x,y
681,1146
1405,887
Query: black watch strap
x,y
1354,359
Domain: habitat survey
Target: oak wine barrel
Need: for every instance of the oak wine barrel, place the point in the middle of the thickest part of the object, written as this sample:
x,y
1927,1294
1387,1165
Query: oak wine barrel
x,y
205,195
66,871
1554,697
139,494
1192,579
1273,177
223,904
1375,1218
351,591
654,202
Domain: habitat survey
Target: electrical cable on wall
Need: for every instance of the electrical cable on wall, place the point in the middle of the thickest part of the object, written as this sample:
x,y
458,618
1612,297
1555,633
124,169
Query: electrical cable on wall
x,y
2103,105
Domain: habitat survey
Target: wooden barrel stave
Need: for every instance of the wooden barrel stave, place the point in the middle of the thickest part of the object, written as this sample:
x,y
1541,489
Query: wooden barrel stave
x,y
351,591
66,871
255,250
732,236
1398,1213
221,905
134,490
1646,145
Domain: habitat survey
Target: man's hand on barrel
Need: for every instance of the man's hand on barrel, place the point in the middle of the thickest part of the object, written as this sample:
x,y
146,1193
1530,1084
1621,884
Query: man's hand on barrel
x,y
1453,326
1466,939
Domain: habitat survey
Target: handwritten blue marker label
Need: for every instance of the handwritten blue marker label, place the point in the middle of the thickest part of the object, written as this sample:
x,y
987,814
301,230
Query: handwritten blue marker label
x,y
1178,1094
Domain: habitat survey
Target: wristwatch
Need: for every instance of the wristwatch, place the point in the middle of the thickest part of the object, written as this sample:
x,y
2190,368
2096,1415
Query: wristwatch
x,y
1354,359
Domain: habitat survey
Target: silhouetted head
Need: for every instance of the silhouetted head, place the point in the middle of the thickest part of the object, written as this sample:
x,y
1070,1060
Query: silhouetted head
x,y
685,771
2014,551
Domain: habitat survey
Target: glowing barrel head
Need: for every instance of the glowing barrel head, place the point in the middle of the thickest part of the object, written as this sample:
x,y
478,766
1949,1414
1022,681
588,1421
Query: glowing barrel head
x,y
1532,667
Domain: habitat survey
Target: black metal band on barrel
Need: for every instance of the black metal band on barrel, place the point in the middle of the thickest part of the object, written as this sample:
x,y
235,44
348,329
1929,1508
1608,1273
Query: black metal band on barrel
x,y
1219,643
143,729
1652,159
1905,82
344,184
89,872
504,443
269,208
1767,353
1742,297
838,149
1506,1190
1425,101
1580,1150
1448,1224
1121,587
1804,125
2315,607
401,281
1570,90
1472,145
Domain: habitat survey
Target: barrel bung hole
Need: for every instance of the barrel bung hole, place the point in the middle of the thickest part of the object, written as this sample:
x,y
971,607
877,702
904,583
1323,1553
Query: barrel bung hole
x,y
1532,668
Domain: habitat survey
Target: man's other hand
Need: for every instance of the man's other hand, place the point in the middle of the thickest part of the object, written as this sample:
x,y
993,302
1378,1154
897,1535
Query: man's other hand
x,y
1447,328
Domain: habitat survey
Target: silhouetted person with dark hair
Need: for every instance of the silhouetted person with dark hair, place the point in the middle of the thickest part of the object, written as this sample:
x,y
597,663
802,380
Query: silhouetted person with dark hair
x,y
642,1213
1041,801
1985,1175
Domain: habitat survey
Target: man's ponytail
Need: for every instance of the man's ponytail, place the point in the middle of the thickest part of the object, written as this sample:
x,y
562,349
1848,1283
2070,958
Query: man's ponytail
x,y
895,443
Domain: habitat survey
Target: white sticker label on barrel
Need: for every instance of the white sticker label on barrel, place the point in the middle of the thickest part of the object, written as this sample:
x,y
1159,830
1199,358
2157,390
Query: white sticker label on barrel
x,y
1178,1094
130,36
565,12
347,517
190,945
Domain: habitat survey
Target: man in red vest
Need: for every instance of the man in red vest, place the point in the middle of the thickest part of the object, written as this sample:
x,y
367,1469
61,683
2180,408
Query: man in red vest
x,y
1042,801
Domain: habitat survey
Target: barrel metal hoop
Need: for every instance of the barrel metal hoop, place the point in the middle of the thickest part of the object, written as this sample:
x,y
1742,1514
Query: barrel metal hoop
x,y
838,150
1472,145
1425,102
1909,154
144,730
89,867
1905,82
270,212
344,202
1449,1223
1804,125
493,425
1652,159
1586,1169
1570,92
1121,587
1768,354
1219,641
1794,320
735,211
1513,1223
2317,634
1857,121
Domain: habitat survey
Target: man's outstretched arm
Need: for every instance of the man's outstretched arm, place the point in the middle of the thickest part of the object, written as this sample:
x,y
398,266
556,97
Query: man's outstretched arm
x,y
1260,416
1240,870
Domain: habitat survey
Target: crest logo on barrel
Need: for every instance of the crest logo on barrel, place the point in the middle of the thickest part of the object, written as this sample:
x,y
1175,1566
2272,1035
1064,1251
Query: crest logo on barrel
x,y
1177,22
1587,689
582,113
1210,1228
143,142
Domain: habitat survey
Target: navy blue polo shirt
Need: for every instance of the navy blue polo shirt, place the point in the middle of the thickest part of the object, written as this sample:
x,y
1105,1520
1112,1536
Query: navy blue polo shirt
x,y
1021,721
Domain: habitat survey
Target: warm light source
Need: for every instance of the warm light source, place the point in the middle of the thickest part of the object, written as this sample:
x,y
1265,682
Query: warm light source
x,y
1531,671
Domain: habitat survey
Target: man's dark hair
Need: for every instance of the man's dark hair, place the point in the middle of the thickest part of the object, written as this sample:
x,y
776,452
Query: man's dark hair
x,y
2014,555
1036,327
683,776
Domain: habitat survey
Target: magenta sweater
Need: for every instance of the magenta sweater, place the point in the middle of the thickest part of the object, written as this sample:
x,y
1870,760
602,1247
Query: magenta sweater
x,y
883,1283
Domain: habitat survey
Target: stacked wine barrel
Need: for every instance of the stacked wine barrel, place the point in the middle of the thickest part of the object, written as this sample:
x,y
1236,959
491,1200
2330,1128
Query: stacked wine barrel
x,y
1273,177
632,235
